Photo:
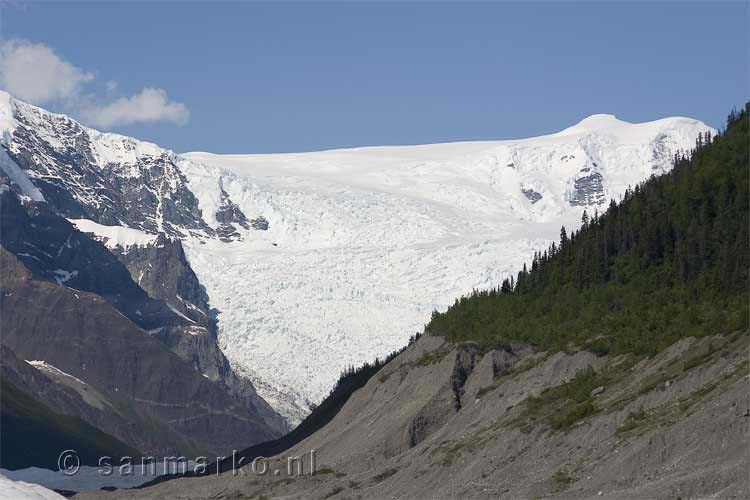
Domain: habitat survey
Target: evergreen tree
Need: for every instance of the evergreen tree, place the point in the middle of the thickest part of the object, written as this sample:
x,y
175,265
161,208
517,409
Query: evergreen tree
x,y
670,260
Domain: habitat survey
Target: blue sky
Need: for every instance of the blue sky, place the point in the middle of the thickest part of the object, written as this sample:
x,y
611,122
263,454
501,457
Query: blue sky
x,y
260,77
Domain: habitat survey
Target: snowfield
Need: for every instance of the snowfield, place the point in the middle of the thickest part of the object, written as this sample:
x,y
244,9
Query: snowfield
x,y
365,243
114,236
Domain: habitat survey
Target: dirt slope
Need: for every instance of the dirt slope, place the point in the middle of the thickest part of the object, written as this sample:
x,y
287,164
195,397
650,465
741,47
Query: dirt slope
x,y
446,421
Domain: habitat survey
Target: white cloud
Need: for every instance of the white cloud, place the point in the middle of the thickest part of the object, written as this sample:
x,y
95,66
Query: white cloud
x,y
151,105
33,72
111,87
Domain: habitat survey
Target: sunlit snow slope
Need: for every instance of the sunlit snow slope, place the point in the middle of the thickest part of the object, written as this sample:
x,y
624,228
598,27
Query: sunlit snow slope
x,y
363,244
19,490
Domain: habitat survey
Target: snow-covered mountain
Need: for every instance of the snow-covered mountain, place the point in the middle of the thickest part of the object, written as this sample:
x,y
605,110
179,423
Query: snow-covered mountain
x,y
317,261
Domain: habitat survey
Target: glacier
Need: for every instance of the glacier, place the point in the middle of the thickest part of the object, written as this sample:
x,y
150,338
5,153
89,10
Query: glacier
x,y
361,245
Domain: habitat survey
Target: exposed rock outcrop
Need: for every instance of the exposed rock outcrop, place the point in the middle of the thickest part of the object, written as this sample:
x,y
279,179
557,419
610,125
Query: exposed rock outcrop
x,y
84,336
227,215
176,311
588,190
143,189
102,328
532,195
163,271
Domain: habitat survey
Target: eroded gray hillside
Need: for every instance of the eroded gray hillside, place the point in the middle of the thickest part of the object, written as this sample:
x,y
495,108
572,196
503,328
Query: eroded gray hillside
x,y
443,421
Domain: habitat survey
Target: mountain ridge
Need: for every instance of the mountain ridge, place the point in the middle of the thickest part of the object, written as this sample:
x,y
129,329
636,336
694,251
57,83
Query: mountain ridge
x,y
102,330
368,234
651,405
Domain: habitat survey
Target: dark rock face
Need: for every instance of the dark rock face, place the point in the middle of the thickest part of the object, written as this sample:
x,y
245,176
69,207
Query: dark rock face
x,y
175,407
466,358
227,215
91,320
446,402
531,195
44,413
116,181
229,212
146,191
227,233
162,270
588,190
259,223
661,156
55,251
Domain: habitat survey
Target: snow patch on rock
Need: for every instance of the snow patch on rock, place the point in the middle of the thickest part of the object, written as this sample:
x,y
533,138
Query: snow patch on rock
x,y
52,370
114,236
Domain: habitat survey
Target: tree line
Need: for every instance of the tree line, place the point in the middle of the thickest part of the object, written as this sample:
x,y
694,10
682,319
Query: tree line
x,y
669,260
